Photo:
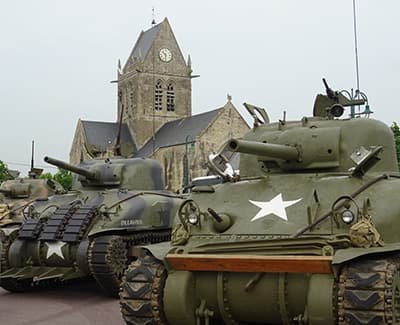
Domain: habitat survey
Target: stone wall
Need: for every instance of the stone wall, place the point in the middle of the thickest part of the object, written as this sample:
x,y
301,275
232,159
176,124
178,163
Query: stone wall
x,y
78,149
227,124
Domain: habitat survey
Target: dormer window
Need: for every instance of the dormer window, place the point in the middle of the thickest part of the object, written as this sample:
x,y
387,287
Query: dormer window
x,y
158,94
170,98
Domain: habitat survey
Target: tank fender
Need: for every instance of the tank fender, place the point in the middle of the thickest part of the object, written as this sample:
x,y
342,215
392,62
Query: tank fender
x,y
7,232
159,250
344,255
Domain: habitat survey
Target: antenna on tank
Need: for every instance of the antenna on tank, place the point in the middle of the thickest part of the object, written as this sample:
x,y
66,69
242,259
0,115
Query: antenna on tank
x,y
153,21
33,155
356,52
34,172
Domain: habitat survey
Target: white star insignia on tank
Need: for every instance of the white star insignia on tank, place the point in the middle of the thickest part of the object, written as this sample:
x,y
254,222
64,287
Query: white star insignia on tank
x,y
55,248
276,206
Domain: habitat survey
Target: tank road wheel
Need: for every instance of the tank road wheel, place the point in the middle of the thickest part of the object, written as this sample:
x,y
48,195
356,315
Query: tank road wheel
x,y
369,292
108,259
11,285
141,292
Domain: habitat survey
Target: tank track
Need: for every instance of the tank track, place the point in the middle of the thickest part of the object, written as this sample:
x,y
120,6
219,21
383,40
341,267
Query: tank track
x,y
5,245
141,292
108,256
369,292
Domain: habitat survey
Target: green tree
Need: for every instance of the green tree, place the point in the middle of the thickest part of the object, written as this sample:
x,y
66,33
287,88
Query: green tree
x,y
4,174
396,132
64,177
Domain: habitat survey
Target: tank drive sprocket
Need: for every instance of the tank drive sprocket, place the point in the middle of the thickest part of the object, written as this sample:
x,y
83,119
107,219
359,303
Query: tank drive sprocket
x,y
141,292
369,292
109,256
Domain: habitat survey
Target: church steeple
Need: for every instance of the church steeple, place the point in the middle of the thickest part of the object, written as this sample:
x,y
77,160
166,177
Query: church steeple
x,y
155,82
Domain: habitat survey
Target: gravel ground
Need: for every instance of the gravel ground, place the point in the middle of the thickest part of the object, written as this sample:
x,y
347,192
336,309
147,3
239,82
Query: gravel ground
x,y
81,304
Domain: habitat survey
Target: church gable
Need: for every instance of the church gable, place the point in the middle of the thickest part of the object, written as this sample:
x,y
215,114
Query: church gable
x,y
101,136
78,144
157,51
94,139
229,123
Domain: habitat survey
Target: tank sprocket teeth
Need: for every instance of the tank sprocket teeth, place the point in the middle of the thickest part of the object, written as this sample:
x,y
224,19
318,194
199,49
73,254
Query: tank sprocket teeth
x,y
108,257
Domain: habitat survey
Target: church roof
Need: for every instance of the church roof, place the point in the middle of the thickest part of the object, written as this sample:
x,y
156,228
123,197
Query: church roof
x,y
102,134
178,132
145,41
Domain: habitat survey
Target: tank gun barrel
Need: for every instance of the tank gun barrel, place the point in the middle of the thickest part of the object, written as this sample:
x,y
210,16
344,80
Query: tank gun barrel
x,y
71,168
263,149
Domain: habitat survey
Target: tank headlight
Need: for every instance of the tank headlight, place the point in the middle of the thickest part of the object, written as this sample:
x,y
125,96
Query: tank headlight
x,y
189,212
193,218
347,217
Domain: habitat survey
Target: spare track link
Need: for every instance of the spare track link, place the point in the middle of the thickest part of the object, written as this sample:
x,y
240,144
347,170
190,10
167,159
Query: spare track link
x,y
369,292
108,256
142,292
79,222
55,225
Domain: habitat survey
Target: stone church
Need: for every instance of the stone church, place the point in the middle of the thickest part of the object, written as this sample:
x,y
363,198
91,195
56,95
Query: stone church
x,y
154,102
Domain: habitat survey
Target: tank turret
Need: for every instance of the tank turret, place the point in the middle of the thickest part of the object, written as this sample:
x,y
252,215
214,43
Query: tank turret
x,y
131,174
318,143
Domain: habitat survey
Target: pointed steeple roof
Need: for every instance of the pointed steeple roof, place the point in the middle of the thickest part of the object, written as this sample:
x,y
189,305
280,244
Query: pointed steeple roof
x,y
144,42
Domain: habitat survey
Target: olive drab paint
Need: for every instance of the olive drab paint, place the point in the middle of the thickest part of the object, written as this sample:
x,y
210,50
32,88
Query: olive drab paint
x,y
92,230
307,233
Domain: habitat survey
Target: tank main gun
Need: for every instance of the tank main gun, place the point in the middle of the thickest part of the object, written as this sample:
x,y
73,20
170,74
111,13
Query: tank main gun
x,y
77,170
264,149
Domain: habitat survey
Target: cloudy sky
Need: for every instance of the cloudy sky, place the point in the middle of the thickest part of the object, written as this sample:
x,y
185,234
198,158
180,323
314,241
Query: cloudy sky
x,y
57,59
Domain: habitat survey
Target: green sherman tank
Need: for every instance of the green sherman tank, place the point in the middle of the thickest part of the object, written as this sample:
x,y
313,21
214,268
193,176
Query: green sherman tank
x,y
17,195
115,204
307,234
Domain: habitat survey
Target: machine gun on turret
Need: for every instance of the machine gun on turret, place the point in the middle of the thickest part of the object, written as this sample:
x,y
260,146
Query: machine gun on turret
x,y
333,103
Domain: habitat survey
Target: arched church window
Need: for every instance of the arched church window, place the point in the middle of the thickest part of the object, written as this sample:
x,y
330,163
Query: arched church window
x,y
170,97
158,94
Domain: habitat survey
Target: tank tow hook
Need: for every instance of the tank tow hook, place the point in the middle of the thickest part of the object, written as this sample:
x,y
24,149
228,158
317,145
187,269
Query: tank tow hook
x,y
203,312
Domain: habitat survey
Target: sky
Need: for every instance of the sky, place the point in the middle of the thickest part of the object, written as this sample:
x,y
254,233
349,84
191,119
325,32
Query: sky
x,y
57,59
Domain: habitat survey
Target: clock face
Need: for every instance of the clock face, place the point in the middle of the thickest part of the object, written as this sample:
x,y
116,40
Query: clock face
x,y
165,55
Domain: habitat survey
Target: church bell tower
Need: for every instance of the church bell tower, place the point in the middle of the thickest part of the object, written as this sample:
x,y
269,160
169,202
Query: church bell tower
x,y
154,85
